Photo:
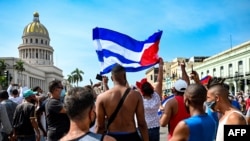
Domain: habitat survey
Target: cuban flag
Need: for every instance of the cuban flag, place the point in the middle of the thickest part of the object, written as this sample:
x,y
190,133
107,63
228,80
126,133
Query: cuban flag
x,y
113,47
205,79
163,103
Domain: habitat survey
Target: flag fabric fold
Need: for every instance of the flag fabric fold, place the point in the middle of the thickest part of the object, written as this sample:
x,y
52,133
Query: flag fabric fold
x,y
113,47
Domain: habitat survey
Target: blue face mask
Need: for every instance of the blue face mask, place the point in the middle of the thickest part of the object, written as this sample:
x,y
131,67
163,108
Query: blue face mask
x,y
210,104
63,93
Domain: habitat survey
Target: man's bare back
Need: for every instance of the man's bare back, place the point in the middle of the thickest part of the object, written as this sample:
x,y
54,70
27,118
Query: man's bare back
x,y
124,121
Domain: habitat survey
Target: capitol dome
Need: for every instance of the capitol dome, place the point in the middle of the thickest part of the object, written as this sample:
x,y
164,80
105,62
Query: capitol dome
x,y
35,28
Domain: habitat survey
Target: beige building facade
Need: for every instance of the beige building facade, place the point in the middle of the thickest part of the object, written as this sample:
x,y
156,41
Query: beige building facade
x,y
232,64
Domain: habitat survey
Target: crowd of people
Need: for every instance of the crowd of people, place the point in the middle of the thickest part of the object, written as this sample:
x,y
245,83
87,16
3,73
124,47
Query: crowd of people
x,y
123,112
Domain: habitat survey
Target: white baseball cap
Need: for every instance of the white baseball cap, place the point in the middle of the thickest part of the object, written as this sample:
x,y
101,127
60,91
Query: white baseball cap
x,y
180,85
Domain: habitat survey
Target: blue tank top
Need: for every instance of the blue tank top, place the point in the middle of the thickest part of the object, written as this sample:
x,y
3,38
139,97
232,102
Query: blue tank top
x,y
201,128
90,137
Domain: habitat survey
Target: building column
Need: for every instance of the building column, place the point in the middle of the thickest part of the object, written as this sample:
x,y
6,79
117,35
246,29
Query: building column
x,y
245,85
235,87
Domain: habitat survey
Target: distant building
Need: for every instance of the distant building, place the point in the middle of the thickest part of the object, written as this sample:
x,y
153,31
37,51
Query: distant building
x,y
232,64
152,74
37,53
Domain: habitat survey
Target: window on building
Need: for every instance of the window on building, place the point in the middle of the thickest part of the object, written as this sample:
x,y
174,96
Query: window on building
x,y
31,40
221,71
42,41
214,72
230,70
46,42
201,74
26,41
151,77
207,72
36,41
240,68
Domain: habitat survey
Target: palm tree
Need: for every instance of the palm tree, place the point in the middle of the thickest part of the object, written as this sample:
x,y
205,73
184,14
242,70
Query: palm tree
x,y
70,79
19,67
3,66
77,75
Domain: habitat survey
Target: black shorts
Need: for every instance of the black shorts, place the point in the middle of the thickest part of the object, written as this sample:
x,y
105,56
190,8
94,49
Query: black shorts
x,y
125,136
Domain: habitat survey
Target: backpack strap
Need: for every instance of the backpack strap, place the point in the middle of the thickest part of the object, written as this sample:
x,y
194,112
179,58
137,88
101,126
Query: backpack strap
x,y
112,117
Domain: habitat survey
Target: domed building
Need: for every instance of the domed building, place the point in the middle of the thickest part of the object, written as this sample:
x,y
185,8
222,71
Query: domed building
x,y
37,54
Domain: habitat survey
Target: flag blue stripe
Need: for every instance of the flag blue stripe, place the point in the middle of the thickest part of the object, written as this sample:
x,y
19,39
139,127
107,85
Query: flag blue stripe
x,y
108,53
128,69
124,40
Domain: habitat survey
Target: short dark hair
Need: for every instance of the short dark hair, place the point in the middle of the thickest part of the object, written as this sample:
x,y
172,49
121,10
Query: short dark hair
x,y
215,81
117,69
36,88
147,88
53,85
218,83
119,73
196,93
4,94
15,92
77,101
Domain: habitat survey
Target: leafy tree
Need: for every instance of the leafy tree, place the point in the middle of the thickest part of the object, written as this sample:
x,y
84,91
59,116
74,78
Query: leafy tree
x,y
3,78
19,66
70,79
3,66
77,76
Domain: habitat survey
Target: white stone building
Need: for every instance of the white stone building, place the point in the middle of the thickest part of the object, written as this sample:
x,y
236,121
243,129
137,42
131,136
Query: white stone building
x,y
232,64
36,52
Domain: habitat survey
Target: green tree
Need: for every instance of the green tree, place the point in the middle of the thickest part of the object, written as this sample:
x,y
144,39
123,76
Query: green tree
x,y
3,78
70,79
77,76
3,66
19,66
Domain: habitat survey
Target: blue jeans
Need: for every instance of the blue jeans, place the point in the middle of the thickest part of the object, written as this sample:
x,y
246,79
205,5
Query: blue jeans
x,y
154,134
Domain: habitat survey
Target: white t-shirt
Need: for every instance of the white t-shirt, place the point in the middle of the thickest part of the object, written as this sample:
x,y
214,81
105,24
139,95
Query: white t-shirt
x,y
151,107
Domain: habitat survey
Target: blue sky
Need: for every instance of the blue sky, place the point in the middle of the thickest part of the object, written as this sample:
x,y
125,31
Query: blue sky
x,y
190,28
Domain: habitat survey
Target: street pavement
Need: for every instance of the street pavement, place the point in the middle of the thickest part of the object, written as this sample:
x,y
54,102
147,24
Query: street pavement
x,y
163,133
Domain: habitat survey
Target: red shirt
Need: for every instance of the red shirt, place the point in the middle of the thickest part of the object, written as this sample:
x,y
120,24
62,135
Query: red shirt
x,y
247,103
180,115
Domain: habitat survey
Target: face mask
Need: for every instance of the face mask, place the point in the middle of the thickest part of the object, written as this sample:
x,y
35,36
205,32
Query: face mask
x,y
62,93
92,123
211,104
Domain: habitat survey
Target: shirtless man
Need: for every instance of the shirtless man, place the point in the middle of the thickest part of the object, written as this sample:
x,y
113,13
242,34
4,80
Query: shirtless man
x,y
123,127
217,96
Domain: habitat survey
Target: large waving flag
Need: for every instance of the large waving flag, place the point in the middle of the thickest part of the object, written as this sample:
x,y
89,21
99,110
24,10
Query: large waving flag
x,y
113,47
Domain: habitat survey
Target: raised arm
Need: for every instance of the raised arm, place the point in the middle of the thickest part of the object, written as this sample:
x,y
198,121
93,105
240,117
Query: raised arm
x,y
105,83
158,87
184,73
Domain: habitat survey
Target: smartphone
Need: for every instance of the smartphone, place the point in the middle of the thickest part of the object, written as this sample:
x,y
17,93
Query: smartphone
x,y
98,77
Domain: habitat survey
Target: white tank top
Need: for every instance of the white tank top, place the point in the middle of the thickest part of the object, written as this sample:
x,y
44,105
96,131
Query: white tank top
x,y
220,130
